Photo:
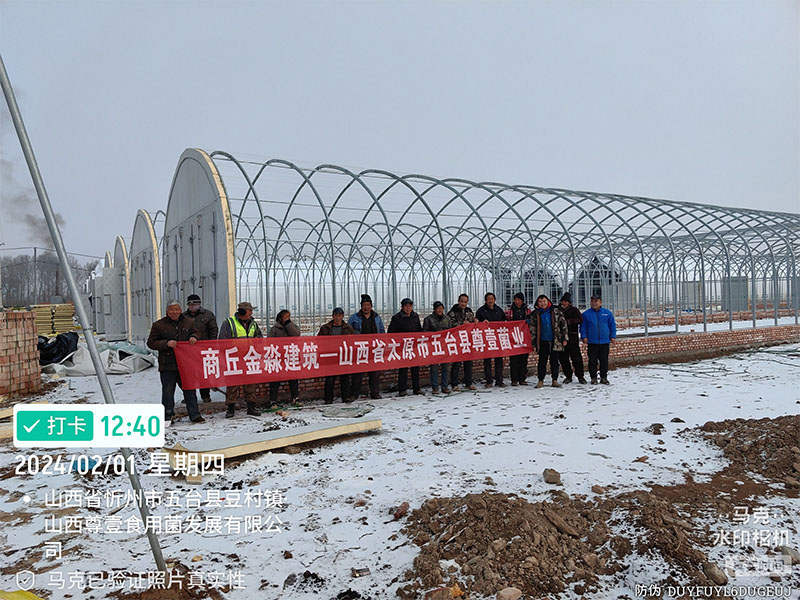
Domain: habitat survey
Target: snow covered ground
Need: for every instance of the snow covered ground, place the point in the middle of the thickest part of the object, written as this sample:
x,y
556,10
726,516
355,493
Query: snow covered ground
x,y
338,495
698,327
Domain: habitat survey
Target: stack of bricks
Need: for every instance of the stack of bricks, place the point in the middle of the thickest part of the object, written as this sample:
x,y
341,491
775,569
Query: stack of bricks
x,y
680,347
19,356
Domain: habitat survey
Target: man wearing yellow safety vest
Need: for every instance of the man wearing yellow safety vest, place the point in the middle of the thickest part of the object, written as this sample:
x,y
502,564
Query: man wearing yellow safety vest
x,y
241,325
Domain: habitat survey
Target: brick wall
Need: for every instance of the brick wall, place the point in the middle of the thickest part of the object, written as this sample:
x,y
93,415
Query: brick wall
x,y
680,347
19,357
684,347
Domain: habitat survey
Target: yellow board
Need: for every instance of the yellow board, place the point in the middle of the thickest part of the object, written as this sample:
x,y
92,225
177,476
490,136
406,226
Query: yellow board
x,y
19,596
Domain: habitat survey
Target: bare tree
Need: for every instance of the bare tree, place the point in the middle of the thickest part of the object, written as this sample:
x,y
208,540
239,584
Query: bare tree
x,y
37,279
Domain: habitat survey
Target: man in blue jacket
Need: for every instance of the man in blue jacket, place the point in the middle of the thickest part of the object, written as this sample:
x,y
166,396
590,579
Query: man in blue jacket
x,y
598,330
366,322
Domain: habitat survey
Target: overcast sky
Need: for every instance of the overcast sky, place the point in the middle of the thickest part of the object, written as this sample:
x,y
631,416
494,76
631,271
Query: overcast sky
x,y
689,100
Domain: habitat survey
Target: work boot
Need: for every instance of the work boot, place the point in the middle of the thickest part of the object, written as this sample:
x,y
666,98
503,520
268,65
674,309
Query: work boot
x,y
523,382
568,380
348,400
582,380
555,383
329,401
375,396
435,391
199,419
471,387
252,410
489,384
206,398
231,411
445,390
418,393
540,384
501,384
401,394
514,384
604,380
594,380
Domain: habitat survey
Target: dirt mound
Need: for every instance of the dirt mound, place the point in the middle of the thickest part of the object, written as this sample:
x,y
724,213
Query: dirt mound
x,y
488,541
497,540
766,447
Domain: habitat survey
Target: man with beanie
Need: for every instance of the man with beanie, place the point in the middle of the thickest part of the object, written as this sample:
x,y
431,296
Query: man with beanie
x,y
598,331
549,336
366,322
406,321
491,312
438,321
164,337
241,325
337,326
284,327
206,324
461,313
572,351
518,363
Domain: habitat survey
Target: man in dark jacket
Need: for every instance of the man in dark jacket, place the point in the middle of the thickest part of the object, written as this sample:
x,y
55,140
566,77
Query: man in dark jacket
x,y
241,325
461,313
366,322
206,324
518,363
549,336
164,337
406,321
438,321
491,312
284,328
337,326
572,351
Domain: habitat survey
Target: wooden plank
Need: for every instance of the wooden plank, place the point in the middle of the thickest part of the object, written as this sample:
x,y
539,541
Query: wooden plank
x,y
7,413
233,446
6,431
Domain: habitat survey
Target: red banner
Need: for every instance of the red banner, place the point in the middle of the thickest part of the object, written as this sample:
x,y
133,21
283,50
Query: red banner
x,y
215,363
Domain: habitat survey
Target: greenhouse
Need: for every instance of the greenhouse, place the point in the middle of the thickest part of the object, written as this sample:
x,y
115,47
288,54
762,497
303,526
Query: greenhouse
x,y
308,239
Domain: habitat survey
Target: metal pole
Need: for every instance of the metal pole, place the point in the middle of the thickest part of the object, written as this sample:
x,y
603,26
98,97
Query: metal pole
x,y
1,280
58,243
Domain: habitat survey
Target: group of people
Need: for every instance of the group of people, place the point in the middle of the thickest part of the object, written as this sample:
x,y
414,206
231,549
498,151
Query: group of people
x,y
556,335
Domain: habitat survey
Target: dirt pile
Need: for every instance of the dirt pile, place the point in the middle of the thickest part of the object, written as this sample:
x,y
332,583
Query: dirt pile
x,y
769,448
496,540
488,541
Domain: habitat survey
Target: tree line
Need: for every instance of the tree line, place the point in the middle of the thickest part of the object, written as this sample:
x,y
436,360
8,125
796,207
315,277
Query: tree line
x,y
38,278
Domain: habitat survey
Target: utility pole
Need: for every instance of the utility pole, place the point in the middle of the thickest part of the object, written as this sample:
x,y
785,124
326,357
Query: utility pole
x,y
35,278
